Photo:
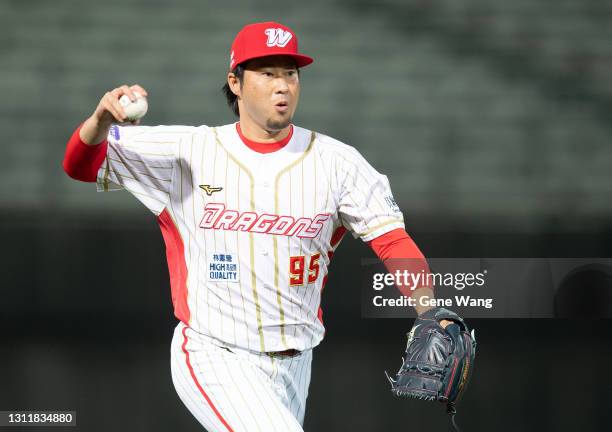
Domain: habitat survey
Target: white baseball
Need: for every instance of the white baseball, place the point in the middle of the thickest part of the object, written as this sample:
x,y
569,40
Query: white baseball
x,y
134,110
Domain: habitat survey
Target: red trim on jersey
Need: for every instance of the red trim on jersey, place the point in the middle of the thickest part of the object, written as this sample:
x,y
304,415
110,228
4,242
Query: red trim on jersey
x,y
337,236
197,383
394,245
264,147
175,254
335,239
320,311
82,161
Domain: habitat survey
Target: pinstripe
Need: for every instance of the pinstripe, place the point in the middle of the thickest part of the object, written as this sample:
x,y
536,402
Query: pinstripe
x,y
311,315
304,373
289,254
316,182
274,368
132,132
188,224
153,142
304,287
118,151
213,368
298,388
327,236
297,396
303,388
276,264
141,161
198,378
237,387
137,173
141,153
189,390
251,245
280,412
118,176
106,173
204,235
356,206
246,323
187,395
372,229
293,386
194,197
290,374
227,284
207,289
360,173
247,379
174,217
196,381
280,174
181,200
214,235
163,203
150,130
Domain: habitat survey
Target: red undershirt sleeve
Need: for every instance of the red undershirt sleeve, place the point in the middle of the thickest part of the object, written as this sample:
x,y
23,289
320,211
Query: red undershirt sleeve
x,y
82,161
394,245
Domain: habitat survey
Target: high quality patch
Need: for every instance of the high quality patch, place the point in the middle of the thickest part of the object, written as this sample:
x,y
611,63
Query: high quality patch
x,y
222,267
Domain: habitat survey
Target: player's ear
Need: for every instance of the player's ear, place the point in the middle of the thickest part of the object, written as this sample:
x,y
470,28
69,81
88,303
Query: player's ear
x,y
234,83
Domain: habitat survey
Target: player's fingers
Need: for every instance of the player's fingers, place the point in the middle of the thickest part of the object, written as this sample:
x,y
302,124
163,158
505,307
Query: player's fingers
x,y
139,89
117,114
122,90
116,93
128,91
112,105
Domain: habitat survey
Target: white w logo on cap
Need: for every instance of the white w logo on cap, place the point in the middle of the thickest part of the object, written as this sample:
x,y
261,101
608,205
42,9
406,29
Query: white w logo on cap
x,y
278,37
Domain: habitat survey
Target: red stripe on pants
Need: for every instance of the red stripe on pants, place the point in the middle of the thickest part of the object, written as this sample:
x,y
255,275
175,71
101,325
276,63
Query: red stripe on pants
x,y
195,380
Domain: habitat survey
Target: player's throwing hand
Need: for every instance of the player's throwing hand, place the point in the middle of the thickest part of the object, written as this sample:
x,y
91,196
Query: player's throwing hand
x,y
109,111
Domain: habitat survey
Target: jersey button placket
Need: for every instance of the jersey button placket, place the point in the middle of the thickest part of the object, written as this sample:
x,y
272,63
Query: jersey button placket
x,y
264,172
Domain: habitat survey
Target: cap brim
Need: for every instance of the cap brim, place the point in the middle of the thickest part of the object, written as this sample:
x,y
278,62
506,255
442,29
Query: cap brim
x,y
300,59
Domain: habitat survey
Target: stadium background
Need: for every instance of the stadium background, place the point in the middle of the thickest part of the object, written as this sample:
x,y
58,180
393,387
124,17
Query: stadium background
x,y
490,118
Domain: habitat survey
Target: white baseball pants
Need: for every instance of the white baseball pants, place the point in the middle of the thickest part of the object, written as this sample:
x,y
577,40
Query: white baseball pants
x,y
230,389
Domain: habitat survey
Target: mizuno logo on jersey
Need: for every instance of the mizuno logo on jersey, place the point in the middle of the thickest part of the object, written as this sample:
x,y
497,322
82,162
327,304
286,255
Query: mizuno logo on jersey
x,y
210,189
278,37
216,216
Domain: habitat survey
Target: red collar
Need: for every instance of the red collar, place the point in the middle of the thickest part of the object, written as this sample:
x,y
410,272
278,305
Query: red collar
x,y
264,147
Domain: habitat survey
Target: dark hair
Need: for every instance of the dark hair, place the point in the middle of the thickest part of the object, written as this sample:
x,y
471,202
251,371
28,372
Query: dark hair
x,y
232,99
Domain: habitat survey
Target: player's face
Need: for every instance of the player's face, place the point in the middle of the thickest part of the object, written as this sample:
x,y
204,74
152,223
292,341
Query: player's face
x,y
270,92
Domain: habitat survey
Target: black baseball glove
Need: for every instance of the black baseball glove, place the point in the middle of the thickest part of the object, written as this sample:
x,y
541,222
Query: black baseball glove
x,y
438,361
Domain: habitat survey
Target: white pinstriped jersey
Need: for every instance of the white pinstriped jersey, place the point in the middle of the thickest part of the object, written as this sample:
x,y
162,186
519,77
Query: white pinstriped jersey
x,y
249,236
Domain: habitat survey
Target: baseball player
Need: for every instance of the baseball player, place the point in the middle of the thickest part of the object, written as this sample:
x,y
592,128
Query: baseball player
x,y
251,213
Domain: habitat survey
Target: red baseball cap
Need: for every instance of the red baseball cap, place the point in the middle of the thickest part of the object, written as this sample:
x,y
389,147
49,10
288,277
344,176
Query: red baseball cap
x,y
266,39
